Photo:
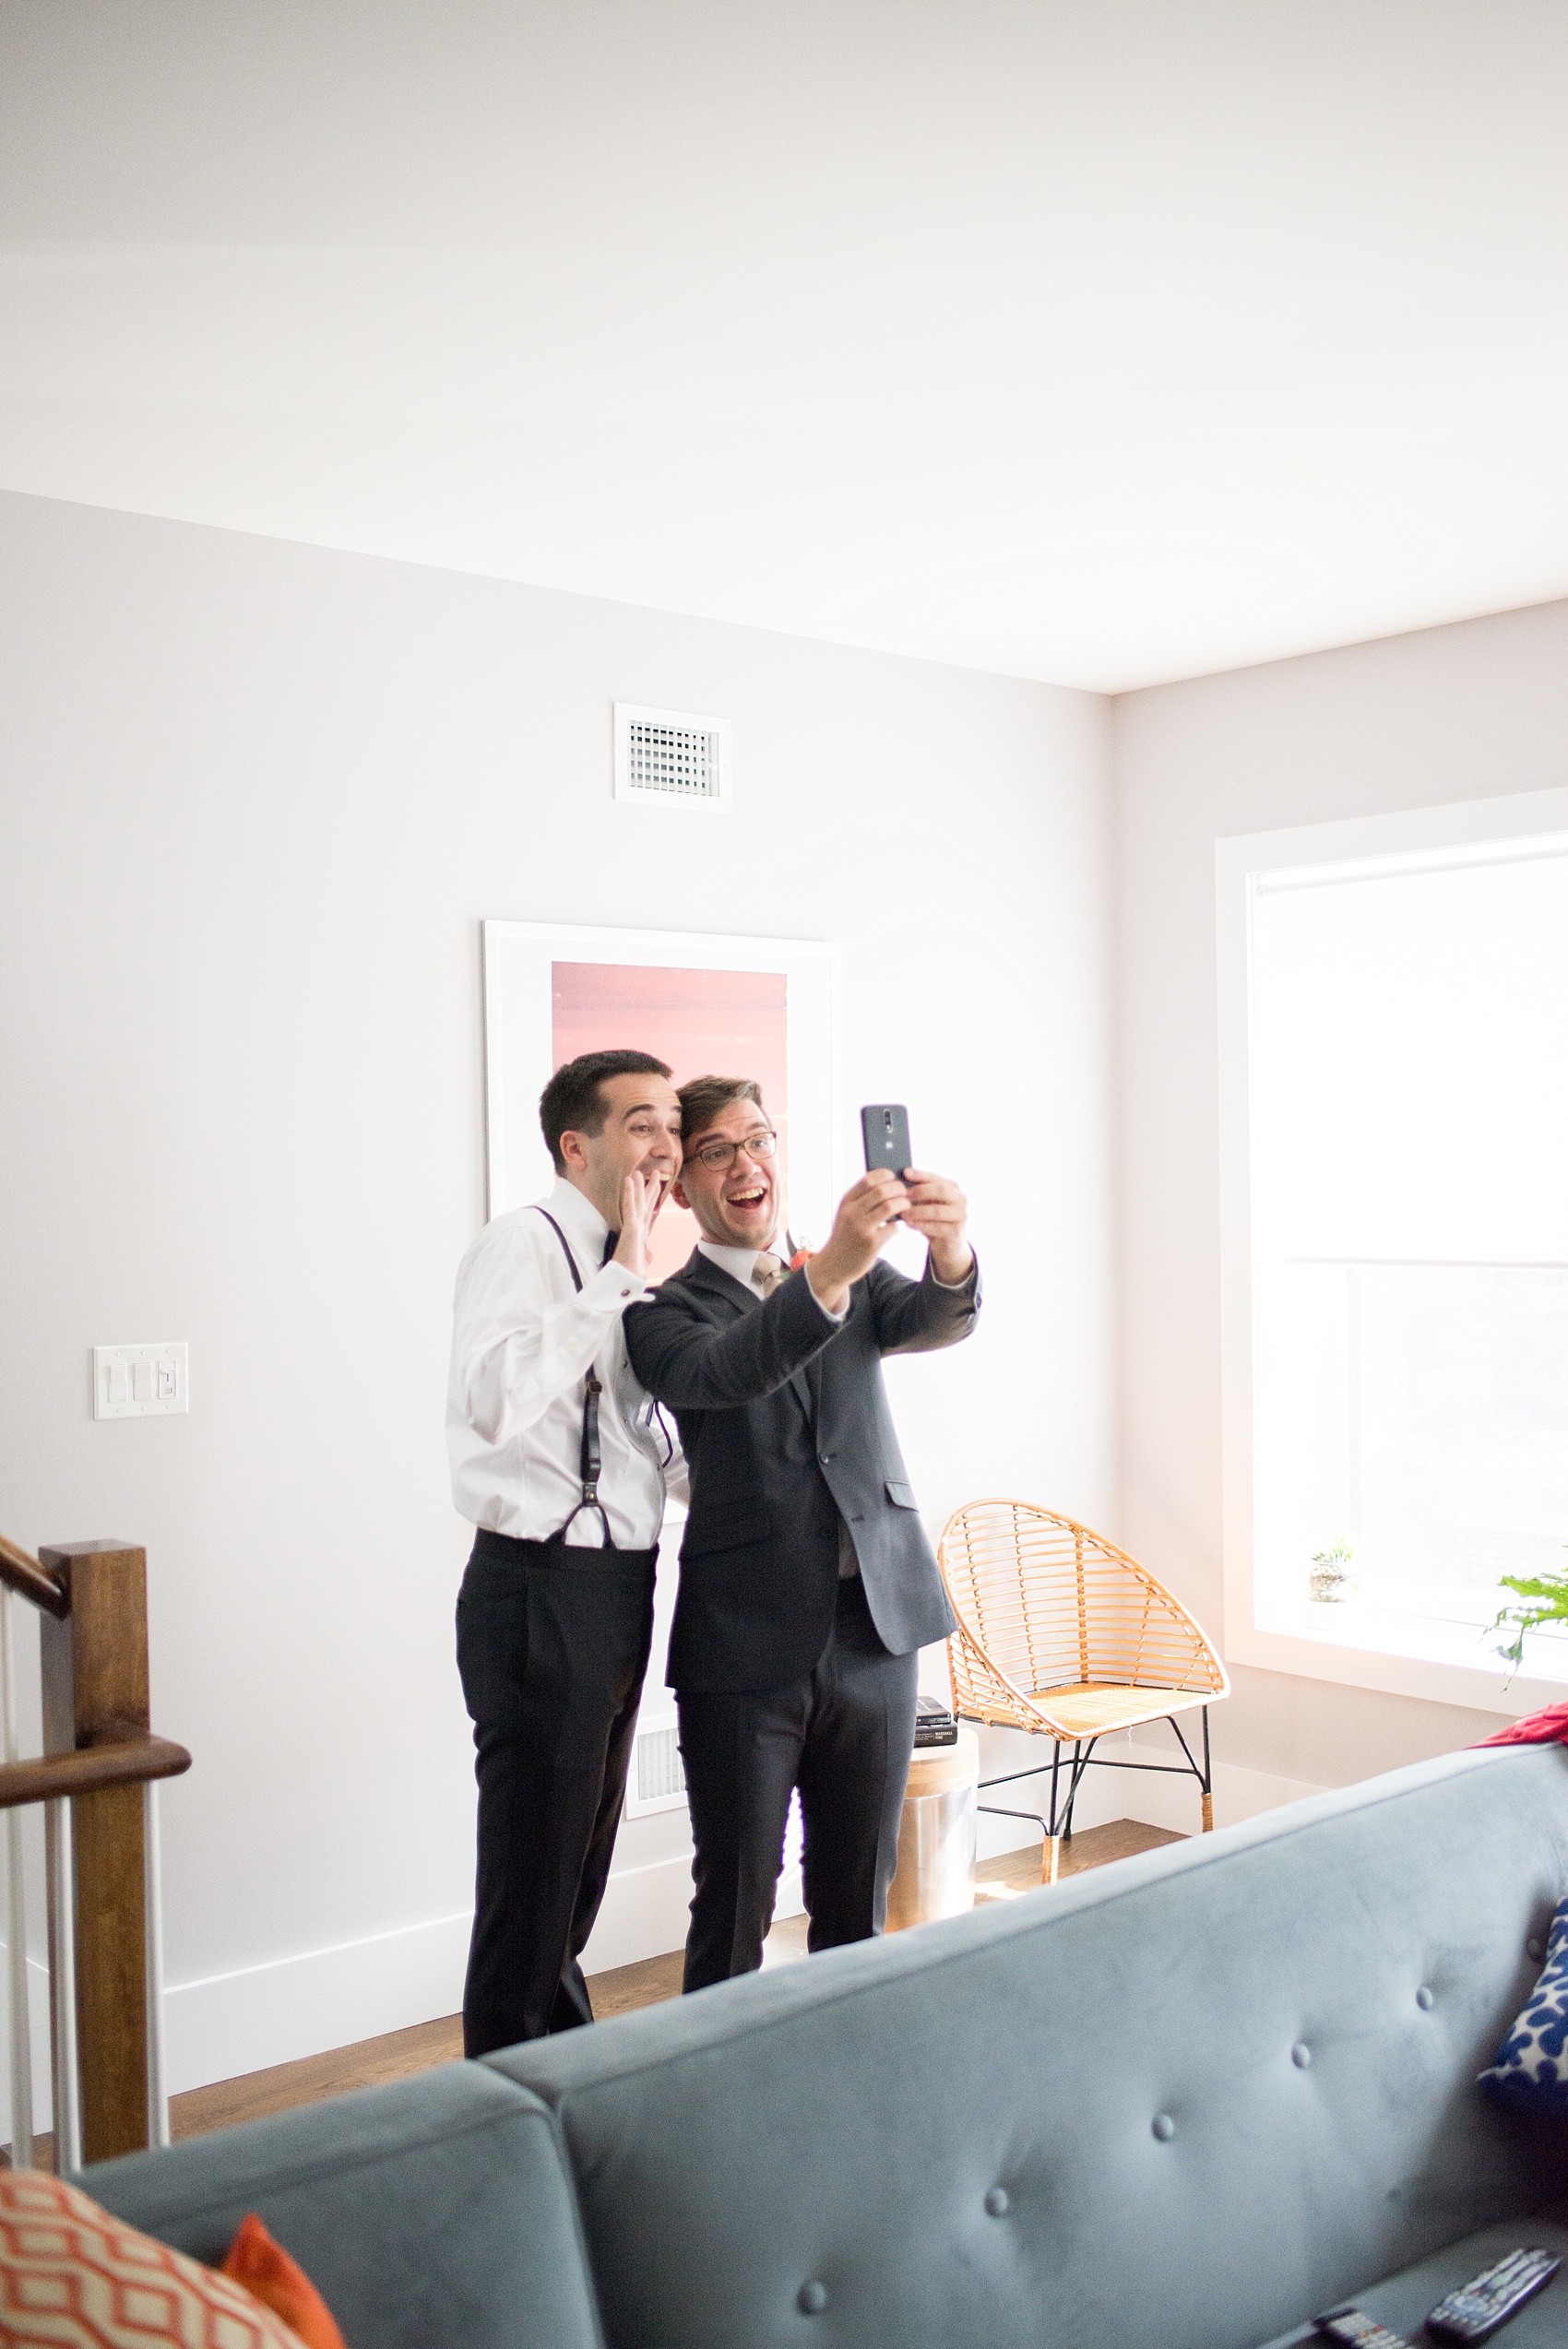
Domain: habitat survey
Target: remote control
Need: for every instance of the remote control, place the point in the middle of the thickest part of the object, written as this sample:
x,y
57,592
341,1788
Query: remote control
x,y
1475,2311
1358,2330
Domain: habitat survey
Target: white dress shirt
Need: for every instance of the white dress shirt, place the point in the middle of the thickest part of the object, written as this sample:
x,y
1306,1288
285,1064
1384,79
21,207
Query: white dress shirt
x,y
523,1340
741,1264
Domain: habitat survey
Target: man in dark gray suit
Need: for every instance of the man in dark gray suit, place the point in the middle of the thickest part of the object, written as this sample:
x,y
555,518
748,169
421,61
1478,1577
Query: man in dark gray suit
x,y
807,1583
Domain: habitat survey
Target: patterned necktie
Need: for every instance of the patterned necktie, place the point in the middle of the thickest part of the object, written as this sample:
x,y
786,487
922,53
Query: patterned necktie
x,y
767,1272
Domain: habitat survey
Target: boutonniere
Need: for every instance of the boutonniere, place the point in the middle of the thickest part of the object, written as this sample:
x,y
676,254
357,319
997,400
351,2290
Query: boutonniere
x,y
801,1257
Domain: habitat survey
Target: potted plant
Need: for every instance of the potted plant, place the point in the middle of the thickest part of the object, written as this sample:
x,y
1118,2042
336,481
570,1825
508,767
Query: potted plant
x,y
1540,1599
1331,1579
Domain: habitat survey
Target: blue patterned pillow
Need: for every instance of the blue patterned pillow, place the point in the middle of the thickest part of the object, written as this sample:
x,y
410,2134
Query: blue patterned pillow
x,y
1531,2067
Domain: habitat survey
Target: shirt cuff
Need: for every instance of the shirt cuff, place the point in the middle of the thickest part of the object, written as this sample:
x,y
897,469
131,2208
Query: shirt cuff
x,y
614,1285
953,1286
837,1319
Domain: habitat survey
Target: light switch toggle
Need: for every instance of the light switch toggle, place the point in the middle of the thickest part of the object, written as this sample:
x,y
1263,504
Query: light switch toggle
x,y
140,1381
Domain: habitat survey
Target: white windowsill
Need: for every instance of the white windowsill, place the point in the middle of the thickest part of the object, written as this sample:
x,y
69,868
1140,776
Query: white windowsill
x,y
1439,1681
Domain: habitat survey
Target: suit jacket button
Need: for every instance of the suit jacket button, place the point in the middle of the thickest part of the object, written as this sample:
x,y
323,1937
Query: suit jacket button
x,y
826,1457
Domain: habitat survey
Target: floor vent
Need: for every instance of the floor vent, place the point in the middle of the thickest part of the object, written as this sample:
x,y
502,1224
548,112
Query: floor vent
x,y
669,758
657,1781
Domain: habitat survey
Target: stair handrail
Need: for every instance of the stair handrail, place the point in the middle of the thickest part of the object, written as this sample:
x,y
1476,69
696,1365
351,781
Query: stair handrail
x,y
21,1572
96,1780
132,1760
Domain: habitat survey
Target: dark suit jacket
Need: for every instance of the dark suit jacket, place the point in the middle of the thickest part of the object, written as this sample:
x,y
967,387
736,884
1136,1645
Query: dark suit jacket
x,y
784,1422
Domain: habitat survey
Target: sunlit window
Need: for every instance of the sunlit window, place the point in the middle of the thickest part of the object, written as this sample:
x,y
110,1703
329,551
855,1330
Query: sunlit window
x,y
1408,1096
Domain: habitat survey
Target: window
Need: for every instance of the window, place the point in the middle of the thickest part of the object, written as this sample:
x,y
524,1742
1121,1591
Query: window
x,y
1397,1198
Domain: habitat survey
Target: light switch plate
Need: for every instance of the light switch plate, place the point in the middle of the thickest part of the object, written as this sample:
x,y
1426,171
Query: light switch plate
x,y
140,1381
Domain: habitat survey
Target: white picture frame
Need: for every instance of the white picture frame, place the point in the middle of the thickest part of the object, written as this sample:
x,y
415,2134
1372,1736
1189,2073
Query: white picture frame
x,y
519,1030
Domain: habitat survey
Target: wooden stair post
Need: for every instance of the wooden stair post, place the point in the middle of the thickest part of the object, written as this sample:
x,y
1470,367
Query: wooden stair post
x,y
95,1693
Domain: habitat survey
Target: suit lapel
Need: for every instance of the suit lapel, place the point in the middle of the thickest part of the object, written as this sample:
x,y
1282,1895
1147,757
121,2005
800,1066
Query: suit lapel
x,y
701,1272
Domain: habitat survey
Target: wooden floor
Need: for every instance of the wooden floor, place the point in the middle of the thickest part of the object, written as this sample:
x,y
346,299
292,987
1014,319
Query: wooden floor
x,y
1094,1848
398,2054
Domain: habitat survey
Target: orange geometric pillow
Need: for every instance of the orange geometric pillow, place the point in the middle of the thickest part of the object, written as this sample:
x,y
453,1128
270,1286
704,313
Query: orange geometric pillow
x,y
280,2283
71,2277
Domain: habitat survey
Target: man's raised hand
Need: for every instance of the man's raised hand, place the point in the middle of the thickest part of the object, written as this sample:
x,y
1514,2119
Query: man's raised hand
x,y
641,1199
937,1210
868,1216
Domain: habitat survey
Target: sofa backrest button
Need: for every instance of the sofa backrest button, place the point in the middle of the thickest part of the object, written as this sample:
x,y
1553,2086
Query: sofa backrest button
x,y
1164,2128
812,2298
1535,1947
1425,1999
998,2201
1300,2055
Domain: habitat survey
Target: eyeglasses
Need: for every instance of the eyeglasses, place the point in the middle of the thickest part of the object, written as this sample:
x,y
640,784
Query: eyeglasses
x,y
720,1157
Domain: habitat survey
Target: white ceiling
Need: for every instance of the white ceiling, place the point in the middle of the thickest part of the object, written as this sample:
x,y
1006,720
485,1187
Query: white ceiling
x,y
1096,340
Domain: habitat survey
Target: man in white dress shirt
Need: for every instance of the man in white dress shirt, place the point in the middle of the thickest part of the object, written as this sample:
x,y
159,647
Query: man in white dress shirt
x,y
560,1461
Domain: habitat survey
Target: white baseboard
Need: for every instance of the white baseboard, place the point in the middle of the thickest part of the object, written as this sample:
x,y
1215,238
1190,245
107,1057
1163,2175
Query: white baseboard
x,y
231,2023
1239,1793
306,2005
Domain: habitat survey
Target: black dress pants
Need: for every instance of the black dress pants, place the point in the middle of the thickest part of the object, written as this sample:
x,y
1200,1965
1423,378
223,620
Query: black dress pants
x,y
552,1645
844,1736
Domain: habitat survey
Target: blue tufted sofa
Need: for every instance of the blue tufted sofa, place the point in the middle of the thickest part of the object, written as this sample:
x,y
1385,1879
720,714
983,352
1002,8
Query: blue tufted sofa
x,y
1177,2104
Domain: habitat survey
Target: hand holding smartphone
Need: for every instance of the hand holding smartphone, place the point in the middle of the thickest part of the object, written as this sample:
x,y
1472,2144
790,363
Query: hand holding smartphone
x,y
866,1213
934,1207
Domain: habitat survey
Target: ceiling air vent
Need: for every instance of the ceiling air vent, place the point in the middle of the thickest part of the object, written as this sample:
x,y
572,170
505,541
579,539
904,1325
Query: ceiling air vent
x,y
668,758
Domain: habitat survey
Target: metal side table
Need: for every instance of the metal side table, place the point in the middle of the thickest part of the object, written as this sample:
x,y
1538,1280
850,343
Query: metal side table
x,y
936,1876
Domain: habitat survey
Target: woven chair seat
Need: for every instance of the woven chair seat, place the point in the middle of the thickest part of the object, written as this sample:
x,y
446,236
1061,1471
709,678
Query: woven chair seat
x,y
1090,1708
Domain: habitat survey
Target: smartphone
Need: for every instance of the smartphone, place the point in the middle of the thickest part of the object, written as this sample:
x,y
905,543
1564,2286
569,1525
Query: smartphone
x,y
884,1127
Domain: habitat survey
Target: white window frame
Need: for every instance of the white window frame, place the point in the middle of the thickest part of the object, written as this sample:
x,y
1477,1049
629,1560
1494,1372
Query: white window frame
x,y
1239,863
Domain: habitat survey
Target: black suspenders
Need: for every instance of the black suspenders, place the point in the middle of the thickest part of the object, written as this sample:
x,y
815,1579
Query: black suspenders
x,y
587,1458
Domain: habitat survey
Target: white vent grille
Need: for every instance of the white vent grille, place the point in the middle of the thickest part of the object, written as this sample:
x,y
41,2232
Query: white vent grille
x,y
669,758
682,759
656,1780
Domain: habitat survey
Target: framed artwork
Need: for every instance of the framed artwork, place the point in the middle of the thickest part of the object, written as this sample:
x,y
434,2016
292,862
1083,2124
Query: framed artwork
x,y
709,1007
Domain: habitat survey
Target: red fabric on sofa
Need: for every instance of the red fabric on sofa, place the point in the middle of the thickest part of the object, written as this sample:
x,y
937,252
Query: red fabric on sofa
x,y
1543,1729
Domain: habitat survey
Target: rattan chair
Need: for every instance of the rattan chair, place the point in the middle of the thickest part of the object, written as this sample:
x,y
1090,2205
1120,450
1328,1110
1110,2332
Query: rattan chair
x,y
1063,1635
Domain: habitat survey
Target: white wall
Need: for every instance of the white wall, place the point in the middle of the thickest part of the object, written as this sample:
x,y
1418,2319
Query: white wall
x,y
1459,713
258,799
